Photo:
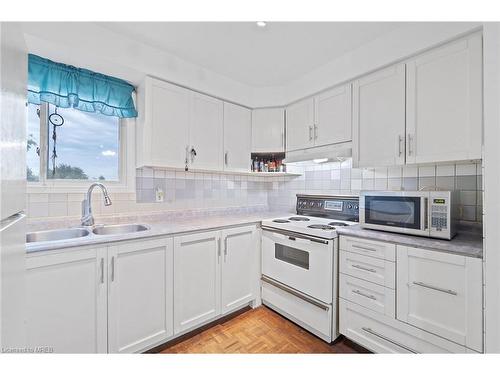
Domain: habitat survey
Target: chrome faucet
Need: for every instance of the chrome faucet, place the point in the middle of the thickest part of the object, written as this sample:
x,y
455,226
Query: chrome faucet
x,y
87,218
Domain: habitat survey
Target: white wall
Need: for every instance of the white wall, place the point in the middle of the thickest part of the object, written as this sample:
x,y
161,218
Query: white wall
x,y
94,47
91,46
491,40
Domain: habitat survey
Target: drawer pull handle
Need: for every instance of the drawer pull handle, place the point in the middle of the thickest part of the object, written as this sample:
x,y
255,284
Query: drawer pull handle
x,y
363,248
370,296
372,332
424,285
363,268
294,293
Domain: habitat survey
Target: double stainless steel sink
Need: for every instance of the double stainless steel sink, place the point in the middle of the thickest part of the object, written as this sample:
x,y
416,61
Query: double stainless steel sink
x,y
75,233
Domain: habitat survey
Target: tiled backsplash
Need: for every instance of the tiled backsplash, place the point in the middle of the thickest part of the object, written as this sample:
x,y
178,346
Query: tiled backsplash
x,y
192,190
341,178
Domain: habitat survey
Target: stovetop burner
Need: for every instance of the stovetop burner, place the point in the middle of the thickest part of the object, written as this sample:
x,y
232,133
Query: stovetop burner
x,y
320,226
338,224
298,218
280,221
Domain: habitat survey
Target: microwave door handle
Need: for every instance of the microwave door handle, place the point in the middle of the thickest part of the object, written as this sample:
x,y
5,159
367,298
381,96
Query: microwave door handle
x,y
425,214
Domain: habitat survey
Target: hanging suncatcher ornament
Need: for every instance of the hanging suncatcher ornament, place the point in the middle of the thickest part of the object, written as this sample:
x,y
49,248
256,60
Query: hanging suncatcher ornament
x,y
56,120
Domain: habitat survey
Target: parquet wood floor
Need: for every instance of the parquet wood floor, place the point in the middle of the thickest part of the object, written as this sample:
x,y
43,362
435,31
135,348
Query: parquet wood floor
x,y
259,331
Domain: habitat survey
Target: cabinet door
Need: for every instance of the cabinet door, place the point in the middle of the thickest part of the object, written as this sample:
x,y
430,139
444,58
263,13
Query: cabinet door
x,y
206,132
268,130
442,294
237,137
379,118
333,116
300,125
239,267
444,103
167,123
66,301
197,260
140,294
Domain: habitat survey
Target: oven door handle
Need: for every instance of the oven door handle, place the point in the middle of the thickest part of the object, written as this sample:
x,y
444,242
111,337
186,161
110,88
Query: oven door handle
x,y
294,293
293,235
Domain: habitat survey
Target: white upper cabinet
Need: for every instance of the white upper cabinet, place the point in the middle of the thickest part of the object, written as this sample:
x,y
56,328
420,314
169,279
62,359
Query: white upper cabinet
x,y
332,114
268,130
444,103
163,124
237,137
379,118
239,267
441,293
66,296
300,125
206,132
140,294
319,121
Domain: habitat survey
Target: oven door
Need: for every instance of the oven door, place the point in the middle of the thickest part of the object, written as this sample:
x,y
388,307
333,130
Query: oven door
x,y
395,212
300,262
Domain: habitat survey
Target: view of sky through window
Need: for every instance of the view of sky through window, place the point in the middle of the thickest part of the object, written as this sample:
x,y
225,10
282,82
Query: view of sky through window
x,y
87,145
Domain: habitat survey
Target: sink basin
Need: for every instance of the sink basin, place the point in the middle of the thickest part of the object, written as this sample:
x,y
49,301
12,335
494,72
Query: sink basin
x,y
119,229
56,234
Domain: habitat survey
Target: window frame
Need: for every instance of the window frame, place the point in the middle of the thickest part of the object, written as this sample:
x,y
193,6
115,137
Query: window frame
x,y
126,163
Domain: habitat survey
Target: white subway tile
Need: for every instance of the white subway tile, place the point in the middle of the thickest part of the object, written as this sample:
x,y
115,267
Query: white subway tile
x,y
465,169
427,171
445,170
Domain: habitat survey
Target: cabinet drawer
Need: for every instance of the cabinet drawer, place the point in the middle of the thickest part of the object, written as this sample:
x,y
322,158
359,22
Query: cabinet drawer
x,y
372,296
317,320
382,334
441,293
376,249
375,270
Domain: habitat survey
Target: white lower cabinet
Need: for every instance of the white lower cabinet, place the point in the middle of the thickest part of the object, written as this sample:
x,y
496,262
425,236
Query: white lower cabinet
x,y
214,273
383,334
66,300
423,301
140,294
441,293
239,267
196,279
133,295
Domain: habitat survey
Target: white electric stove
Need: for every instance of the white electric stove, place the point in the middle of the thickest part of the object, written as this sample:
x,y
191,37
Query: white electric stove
x,y
300,261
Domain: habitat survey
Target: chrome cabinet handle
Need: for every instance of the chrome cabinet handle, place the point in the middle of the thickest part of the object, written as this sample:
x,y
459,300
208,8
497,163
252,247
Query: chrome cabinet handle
x,y
282,139
225,249
363,268
294,293
315,131
424,285
102,270
225,158
112,268
218,250
370,296
310,133
400,141
372,332
410,144
363,248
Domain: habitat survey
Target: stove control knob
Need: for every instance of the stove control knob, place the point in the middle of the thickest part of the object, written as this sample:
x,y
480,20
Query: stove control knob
x,y
356,207
349,206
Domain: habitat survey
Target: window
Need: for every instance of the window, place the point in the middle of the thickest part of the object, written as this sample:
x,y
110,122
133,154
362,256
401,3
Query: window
x,y
87,145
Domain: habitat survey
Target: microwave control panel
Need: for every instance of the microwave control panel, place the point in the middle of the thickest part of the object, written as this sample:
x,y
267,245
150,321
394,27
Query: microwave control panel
x,y
439,214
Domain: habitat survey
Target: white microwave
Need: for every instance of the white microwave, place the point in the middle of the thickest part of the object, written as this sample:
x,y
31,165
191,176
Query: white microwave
x,y
421,213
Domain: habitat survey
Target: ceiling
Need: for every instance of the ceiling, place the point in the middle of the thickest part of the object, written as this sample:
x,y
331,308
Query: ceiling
x,y
274,55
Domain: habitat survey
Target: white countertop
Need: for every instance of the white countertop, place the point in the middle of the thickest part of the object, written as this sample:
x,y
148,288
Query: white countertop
x,y
159,226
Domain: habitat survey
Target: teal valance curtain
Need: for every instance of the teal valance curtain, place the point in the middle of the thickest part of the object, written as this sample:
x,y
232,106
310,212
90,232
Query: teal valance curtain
x,y
67,86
